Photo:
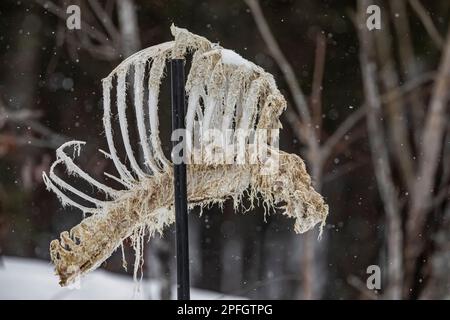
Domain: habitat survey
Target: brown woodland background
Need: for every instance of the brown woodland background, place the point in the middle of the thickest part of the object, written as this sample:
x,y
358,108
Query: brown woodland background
x,y
368,111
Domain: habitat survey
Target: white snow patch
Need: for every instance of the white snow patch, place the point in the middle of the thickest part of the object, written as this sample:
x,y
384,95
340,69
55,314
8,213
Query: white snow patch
x,y
233,58
23,278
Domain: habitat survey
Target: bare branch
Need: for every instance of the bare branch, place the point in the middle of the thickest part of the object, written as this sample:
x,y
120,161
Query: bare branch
x,y
296,125
316,94
433,134
128,27
28,141
343,170
59,12
359,285
280,59
28,118
427,23
407,61
106,49
380,155
397,119
105,19
342,130
357,115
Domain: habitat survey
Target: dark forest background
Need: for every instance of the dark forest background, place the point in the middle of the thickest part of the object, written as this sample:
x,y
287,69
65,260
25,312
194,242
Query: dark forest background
x,y
377,143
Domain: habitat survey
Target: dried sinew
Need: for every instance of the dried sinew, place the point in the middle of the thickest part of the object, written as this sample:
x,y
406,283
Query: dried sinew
x,y
225,92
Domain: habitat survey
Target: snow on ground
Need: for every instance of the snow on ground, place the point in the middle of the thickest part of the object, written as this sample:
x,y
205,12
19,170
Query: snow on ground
x,y
23,278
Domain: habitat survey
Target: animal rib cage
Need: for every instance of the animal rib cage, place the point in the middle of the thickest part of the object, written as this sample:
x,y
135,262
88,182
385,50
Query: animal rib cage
x,y
224,91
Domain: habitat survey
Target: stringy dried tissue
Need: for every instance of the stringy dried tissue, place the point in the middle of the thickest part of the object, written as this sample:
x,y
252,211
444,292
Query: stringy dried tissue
x,y
224,91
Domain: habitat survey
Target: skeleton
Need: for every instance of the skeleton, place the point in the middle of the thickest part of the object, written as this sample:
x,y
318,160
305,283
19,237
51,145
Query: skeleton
x,y
224,91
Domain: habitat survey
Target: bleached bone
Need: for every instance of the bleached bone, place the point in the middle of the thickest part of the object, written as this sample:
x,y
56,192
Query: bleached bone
x,y
125,175
224,91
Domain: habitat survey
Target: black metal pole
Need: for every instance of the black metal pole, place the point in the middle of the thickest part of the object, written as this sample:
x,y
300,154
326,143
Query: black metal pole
x,y
180,185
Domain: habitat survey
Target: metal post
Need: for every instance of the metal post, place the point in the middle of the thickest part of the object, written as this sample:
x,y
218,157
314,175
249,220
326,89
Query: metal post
x,y
180,186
